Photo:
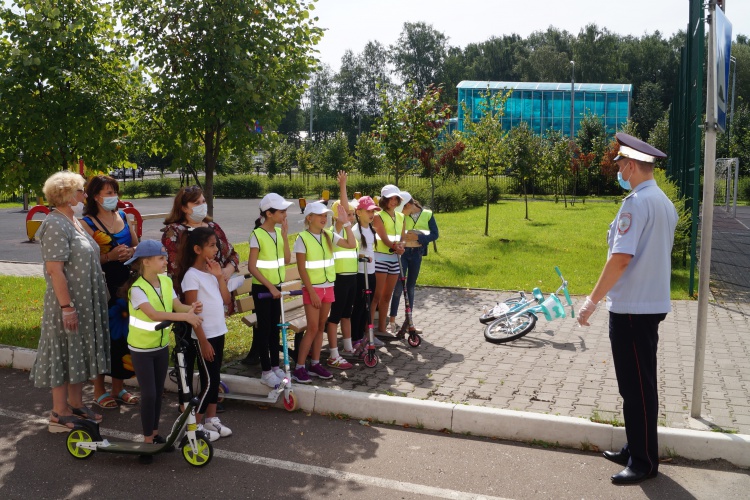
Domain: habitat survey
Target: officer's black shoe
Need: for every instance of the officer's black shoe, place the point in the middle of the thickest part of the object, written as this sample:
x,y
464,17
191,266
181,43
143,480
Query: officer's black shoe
x,y
617,457
630,476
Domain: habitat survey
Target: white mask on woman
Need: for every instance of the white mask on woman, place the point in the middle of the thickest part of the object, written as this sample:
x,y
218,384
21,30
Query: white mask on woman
x,y
199,213
77,209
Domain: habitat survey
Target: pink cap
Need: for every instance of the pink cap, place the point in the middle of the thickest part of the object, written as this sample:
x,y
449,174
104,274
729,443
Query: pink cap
x,y
366,203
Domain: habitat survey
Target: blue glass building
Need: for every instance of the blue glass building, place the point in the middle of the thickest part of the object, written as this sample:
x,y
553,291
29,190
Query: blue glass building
x,y
546,106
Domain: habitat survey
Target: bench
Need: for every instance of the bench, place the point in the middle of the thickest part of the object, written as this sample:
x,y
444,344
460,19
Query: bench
x,y
294,312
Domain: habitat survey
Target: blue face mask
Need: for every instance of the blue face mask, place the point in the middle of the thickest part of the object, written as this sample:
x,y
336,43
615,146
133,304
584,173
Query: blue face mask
x,y
109,202
623,183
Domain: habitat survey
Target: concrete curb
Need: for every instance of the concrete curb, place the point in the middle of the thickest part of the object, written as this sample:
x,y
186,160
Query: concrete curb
x,y
497,423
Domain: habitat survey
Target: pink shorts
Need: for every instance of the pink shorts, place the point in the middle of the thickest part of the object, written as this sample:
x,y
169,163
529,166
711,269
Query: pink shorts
x,y
324,293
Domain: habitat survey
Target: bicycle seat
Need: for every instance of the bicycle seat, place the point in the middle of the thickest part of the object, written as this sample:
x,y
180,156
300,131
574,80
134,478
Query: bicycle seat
x,y
538,295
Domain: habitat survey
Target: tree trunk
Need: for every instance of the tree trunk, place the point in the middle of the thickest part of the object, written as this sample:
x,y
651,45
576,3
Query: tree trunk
x,y
487,211
526,199
210,165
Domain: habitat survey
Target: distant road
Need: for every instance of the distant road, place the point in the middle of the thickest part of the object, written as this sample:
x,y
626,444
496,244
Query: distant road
x,y
236,218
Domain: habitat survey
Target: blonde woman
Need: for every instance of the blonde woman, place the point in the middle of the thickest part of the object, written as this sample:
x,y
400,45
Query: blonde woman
x,y
74,339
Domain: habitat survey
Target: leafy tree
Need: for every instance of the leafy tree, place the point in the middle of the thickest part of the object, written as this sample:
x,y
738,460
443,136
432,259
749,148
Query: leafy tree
x,y
65,90
321,93
546,57
304,161
740,141
557,163
334,154
659,136
216,69
407,125
448,156
523,150
351,92
495,59
485,145
648,107
375,76
368,155
418,55
595,52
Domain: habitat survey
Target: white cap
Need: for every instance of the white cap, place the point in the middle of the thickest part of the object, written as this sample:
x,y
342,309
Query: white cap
x,y
275,201
389,191
405,197
316,208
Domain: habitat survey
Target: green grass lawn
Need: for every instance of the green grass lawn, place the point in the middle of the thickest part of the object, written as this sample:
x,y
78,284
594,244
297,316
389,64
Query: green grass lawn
x,y
518,254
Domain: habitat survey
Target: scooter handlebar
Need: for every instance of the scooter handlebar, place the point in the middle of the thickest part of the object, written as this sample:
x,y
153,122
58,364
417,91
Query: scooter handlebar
x,y
268,295
163,325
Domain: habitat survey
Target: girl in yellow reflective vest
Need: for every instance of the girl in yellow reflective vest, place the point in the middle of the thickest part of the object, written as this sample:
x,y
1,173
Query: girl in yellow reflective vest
x,y
151,300
314,249
389,229
269,253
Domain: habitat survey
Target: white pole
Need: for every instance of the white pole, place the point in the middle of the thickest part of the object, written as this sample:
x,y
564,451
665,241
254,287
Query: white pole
x,y
736,181
707,223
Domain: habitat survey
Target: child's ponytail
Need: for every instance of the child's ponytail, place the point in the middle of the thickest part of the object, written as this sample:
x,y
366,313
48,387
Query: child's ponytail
x,y
136,270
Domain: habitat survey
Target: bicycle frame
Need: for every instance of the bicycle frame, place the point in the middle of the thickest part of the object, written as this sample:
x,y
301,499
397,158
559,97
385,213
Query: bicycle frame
x,y
542,306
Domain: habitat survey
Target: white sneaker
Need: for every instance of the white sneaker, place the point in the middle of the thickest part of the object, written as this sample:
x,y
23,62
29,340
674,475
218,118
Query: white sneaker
x,y
392,328
279,373
377,342
210,435
270,379
214,424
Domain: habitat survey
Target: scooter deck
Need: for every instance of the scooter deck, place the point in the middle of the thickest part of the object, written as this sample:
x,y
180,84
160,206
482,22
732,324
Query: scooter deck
x,y
132,448
259,398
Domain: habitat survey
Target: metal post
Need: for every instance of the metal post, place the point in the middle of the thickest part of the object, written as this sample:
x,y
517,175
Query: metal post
x,y
732,59
572,97
707,220
312,99
736,181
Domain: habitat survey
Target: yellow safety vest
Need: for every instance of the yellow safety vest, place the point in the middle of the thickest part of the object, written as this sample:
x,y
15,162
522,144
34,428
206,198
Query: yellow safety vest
x,y
319,262
270,256
393,229
422,223
345,259
142,331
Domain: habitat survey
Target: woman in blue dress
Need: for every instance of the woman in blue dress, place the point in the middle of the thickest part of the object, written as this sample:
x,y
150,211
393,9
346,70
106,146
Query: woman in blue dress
x,y
117,241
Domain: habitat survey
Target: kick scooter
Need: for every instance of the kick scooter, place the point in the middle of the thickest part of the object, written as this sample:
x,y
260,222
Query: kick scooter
x,y
368,352
408,326
285,387
84,439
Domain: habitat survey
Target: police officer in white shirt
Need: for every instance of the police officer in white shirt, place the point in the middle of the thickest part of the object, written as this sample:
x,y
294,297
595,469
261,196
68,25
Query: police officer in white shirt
x,y
636,283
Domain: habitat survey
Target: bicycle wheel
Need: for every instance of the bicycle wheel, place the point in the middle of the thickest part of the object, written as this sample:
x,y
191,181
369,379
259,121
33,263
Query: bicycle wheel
x,y
497,311
507,329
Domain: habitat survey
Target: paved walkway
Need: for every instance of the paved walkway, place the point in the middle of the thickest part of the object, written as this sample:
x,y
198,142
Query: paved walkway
x,y
561,368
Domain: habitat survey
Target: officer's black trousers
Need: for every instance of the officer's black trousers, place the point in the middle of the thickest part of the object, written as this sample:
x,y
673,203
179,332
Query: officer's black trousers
x,y
634,339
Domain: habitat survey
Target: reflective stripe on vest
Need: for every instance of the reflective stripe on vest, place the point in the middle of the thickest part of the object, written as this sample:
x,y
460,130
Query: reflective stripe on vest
x,y
344,259
319,261
423,222
142,333
270,256
393,229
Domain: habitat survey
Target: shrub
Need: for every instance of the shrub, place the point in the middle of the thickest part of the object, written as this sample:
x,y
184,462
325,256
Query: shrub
x,y
131,189
161,187
239,186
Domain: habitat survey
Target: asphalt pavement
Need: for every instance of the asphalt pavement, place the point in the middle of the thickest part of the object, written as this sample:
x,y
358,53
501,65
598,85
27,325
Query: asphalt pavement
x,y
276,454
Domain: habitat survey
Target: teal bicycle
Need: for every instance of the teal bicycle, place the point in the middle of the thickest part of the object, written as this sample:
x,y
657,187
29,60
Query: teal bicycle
x,y
516,317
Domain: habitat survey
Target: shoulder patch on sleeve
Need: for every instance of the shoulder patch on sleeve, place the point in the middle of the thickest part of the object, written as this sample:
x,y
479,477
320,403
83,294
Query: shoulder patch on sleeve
x,y
623,223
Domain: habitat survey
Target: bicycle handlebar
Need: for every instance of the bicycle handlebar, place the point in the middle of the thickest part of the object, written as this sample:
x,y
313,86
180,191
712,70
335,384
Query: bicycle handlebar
x,y
163,325
268,295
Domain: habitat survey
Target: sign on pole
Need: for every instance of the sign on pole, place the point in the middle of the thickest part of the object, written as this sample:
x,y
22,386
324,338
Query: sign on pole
x,y
723,44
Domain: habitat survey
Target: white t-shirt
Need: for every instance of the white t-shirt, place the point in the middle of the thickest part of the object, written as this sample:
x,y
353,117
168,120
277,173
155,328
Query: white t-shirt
x,y
299,247
254,239
369,251
138,296
209,294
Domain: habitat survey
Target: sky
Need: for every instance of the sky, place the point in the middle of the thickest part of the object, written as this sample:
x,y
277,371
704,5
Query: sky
x,y
350,24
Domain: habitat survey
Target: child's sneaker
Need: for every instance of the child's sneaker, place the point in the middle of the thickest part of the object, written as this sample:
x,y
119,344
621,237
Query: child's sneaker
x,y
317,370
279,373
339,363
377,342
301,375
214,424
210,435
347,352
270,379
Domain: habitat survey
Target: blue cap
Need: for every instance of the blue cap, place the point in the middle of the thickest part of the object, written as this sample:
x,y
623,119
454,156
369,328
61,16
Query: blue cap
x,y
147,248
636,149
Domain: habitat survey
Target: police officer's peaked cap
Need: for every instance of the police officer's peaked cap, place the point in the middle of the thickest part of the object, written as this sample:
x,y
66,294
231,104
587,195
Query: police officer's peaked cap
x,y
636,149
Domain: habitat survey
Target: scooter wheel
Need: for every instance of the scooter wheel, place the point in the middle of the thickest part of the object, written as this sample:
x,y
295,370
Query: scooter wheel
x,y
290,404
204,455
79,436
414,340
223,389
371,360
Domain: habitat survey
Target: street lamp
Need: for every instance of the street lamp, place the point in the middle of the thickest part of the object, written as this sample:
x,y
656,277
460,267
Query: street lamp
x,y
732,59
572,97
